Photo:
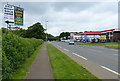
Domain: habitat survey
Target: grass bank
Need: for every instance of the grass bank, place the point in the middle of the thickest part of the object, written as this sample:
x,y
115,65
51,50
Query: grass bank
x,y
64,67
100,44
109,44
21,73
116,47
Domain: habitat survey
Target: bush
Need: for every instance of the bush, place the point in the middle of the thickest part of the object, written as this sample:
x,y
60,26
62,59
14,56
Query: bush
x,y
15,51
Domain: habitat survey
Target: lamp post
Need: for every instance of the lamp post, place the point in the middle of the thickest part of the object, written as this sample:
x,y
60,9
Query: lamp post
x,y
46,30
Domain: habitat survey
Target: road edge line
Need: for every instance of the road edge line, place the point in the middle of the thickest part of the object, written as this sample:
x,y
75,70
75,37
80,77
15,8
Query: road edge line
x,y
110,70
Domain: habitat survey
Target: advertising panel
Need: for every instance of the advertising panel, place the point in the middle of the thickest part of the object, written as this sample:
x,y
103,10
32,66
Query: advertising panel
x,y
102,37
18,16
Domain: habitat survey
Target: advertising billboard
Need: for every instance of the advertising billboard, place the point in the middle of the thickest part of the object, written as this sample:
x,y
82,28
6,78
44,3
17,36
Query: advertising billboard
x,y
18,16
13,15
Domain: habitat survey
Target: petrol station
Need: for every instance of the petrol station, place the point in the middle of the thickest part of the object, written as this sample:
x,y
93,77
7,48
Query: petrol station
x,y
111,35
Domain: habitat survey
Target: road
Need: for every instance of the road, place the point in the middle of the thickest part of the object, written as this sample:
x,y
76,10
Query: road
x,y
105,58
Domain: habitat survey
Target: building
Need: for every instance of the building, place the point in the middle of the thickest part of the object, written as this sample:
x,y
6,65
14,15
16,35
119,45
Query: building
x,y
111,35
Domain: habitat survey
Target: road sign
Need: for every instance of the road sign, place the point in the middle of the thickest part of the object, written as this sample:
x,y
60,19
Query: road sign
x,y
102,37
8,22
13,15
9,13
71,34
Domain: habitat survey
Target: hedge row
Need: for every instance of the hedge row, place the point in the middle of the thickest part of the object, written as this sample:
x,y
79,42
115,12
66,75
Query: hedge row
x,y
15,51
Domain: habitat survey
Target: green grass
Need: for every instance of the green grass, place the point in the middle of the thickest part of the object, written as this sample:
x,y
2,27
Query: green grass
x,y
108,44
21,73
100,44
64,67
113,47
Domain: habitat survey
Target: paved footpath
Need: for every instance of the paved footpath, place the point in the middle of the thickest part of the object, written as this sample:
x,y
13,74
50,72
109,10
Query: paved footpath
x,y
41,68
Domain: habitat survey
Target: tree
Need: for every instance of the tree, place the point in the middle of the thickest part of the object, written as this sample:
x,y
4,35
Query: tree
x,y
51,37
36,31
64,34
4,30
21,32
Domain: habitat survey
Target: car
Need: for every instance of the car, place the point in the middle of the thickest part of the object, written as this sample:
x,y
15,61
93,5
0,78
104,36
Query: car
x,y
71,42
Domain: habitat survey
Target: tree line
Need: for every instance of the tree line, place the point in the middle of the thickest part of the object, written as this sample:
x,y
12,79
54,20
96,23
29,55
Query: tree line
x,y
35,31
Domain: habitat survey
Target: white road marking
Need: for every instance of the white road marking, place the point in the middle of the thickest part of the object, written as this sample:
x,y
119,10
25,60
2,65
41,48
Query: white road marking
x,y
110,70
60,47
66,50
116,54
80,56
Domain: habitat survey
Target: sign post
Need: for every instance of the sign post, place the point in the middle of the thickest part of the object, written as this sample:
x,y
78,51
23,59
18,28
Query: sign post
x,y
13,15
9,15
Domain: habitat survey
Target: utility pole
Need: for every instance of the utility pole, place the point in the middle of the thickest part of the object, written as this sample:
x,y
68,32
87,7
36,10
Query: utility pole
x,y
46,30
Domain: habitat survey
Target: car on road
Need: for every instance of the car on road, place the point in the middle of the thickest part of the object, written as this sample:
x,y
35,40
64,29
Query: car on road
x,y
71,42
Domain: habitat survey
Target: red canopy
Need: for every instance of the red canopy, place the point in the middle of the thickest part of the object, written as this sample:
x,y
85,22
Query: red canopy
x,y
96,32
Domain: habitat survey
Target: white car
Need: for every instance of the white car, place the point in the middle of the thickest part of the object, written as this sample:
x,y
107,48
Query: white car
x,y
71,42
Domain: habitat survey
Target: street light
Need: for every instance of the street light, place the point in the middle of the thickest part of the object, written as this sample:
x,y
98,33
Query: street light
x,y
46,30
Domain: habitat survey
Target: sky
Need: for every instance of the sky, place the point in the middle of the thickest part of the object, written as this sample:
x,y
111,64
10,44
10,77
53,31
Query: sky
x,y
70,16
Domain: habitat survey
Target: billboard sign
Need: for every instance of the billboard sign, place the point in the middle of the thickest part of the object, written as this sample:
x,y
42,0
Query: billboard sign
x,y
102,37
13,14
18,16
8,13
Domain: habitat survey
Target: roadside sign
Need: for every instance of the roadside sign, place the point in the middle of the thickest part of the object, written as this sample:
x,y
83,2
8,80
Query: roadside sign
x,y
18,16
71,34
102,37
110,35
9,13
13,14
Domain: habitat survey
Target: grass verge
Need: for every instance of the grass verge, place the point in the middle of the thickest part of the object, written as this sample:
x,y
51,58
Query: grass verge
x,y
109,44
21,73
100,44
116,47
64,67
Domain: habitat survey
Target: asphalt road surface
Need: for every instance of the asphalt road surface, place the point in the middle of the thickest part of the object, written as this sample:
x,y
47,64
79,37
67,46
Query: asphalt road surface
x,y
106,58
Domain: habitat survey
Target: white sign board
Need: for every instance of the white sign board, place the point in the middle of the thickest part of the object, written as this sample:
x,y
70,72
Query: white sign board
x,y
8,12
71,34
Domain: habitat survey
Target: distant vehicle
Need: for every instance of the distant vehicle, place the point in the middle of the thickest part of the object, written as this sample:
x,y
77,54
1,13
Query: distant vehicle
x,y
71,42
65,40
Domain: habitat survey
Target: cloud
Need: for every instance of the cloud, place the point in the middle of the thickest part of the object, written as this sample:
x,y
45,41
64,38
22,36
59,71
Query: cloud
x,y
105,7
87,19
71,16
72,6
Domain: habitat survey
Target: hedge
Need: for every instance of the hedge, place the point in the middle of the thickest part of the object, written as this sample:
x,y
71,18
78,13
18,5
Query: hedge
x,y
15,51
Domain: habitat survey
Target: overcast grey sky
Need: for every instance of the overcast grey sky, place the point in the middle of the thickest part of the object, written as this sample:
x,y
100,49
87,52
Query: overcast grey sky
x,y
70,16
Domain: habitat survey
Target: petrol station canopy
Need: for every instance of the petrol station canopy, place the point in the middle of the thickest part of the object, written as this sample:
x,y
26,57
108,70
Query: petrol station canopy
x,y
95,32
